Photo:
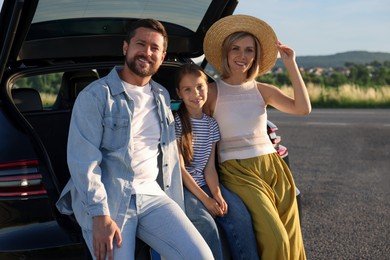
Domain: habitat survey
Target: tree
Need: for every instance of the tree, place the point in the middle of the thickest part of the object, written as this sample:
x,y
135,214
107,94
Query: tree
x,y
381,76
336,80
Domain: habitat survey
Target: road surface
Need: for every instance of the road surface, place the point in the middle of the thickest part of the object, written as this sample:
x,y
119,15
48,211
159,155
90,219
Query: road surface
x,y
340,159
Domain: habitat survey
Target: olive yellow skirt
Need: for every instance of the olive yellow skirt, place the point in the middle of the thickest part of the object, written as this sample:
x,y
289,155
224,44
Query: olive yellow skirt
x,y
266,186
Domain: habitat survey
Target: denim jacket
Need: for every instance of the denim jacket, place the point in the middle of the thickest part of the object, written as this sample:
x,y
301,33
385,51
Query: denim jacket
x,y
100,152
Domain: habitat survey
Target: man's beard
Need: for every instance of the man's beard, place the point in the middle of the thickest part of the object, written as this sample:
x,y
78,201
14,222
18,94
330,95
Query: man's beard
x,y
138,70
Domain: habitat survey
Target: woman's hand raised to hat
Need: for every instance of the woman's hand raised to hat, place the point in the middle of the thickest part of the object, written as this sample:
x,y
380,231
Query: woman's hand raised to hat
x,y
286,53
300,104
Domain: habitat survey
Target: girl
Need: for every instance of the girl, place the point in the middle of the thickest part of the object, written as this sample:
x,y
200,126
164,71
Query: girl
x,y
241,48
207,202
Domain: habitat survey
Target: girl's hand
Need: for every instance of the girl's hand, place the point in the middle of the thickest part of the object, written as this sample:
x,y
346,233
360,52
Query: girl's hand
x,y
222,203
286,53
213,207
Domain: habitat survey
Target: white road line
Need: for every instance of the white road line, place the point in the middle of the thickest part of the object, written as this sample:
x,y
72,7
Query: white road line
x,y
328,123
340,124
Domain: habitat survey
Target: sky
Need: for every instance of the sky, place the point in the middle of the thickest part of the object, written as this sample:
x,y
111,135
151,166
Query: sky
x,y
325,27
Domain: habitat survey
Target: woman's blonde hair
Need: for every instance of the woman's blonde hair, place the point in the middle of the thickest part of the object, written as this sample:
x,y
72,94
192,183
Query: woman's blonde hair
x,y
226,46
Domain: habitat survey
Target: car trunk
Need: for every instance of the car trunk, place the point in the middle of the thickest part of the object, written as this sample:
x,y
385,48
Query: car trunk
x,y
32,46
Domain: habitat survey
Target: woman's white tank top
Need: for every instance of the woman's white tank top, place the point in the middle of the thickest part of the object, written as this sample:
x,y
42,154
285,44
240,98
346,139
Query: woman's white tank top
x,y
242,118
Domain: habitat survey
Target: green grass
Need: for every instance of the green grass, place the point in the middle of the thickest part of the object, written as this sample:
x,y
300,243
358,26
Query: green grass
x,y
346,96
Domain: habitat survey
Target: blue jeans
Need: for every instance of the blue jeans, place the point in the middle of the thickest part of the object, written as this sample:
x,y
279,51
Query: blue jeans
x,y
236,225
163,225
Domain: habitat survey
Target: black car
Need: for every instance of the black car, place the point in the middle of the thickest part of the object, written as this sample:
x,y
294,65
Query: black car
x,y
50,50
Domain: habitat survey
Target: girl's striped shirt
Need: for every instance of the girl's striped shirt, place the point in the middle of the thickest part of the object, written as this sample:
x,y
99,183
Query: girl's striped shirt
x,y
205,132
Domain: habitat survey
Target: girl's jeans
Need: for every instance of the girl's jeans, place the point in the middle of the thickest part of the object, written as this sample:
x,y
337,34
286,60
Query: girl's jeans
x,y
236,225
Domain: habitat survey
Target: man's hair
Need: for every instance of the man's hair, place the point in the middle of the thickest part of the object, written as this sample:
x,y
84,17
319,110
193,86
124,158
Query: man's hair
x,y
150,24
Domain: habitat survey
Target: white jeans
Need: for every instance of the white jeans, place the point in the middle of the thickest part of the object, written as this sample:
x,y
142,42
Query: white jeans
x,y
163,225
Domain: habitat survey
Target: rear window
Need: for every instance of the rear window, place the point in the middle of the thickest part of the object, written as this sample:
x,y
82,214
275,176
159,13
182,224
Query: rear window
x,y
47,85
187,13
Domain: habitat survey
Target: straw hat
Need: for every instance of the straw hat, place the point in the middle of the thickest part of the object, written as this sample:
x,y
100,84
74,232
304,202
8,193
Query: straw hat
x,y
215,36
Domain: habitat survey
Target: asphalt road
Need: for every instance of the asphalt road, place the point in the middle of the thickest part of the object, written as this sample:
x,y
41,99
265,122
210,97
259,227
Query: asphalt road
x,y
340,159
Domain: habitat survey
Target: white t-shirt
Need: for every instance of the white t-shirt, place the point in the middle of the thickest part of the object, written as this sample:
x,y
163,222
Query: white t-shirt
x,y
145,127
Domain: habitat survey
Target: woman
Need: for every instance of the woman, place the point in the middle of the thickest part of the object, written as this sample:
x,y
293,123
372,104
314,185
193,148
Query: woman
x,y
242,48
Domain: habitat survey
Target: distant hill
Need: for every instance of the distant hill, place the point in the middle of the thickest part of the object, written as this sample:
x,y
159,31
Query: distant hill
x,y
338,60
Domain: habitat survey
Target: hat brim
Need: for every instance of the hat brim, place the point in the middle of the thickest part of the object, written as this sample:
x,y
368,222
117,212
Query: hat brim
x,y
215,36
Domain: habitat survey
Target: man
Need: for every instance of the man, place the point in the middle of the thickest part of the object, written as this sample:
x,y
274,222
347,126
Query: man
x,y
121,128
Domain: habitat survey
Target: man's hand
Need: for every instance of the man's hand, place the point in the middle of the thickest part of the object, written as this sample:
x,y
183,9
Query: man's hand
x,y
104,232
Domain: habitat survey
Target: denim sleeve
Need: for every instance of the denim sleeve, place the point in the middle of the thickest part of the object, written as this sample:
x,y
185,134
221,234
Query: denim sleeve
x,y
84,156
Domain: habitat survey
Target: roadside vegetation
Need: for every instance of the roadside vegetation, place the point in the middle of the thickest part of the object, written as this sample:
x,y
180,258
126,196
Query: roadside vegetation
x,y
353,86
346,96
350,86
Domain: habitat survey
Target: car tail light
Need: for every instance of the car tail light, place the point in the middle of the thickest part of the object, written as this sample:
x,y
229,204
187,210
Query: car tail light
x,y
282,150
275,139
20,179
